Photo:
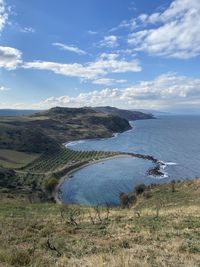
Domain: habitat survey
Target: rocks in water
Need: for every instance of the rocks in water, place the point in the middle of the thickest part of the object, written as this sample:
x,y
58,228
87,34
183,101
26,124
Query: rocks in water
x,y
155,171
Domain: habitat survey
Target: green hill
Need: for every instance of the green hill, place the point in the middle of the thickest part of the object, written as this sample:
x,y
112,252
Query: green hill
x,y
43,131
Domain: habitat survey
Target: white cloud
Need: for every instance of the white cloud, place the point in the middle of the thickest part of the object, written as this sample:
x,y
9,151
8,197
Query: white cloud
x,y
105,64
174,32
10,57
108,81
27,30
92,32
3,15
3,88
168,90
70,48
110,41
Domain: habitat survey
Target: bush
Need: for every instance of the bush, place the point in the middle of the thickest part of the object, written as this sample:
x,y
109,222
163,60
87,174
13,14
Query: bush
x,y
8,178
51,184
139,189
124,200
132,198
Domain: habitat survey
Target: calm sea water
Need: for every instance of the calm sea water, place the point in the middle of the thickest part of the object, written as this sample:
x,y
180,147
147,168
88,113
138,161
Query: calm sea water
x,y
172,139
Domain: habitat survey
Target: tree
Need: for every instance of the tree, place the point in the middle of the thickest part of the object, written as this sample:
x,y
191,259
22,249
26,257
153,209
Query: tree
x,y
51,184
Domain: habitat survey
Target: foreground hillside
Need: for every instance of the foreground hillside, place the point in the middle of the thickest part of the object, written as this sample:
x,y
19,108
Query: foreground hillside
x,y
161,229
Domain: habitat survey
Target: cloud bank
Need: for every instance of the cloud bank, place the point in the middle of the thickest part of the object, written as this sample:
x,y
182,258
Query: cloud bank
x,y
167,90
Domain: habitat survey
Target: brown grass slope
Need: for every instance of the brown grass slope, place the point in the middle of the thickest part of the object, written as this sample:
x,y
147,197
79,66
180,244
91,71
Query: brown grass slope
x,y
162,229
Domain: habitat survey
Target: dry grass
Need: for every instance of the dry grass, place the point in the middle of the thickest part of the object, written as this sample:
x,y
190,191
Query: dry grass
x,y
162,230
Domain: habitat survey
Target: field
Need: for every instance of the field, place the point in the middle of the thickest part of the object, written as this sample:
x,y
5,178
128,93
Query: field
x,y
15,159
64,158
161,229
34,171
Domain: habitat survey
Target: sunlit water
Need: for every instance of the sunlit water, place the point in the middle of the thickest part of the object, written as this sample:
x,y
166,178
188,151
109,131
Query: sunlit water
x,y
173,139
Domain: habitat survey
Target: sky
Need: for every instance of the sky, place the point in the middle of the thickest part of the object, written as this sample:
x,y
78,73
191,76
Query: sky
x,y
130,54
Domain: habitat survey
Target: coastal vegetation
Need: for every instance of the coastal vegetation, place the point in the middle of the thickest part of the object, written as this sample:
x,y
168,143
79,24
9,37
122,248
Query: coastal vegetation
x,y
160,230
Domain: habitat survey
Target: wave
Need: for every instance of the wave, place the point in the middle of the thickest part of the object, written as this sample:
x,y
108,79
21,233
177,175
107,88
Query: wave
x,y
163,166
74,143
115,135
170,163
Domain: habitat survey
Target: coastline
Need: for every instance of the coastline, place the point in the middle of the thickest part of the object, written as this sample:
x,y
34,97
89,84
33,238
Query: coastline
x,y
67,175
78,141
156,170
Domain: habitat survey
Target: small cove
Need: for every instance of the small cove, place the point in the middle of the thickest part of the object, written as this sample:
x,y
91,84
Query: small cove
x,y
174,140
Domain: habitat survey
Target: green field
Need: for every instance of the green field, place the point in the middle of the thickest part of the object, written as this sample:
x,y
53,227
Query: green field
x,y
63,158
33,171
15,159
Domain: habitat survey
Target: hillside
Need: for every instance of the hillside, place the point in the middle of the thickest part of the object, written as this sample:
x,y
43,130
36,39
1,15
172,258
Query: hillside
x,y
43,131
161,229
129,115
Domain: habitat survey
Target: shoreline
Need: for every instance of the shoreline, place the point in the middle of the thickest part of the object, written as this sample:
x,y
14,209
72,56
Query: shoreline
x,y
67,175
156,170
74,142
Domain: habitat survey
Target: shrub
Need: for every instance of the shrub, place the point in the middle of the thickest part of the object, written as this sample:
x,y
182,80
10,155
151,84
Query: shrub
x,y
147,194
173,185
51,184
124,200
139,189
132,198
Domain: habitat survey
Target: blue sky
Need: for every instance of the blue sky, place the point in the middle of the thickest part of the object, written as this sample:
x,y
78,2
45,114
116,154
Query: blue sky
x,y
133,54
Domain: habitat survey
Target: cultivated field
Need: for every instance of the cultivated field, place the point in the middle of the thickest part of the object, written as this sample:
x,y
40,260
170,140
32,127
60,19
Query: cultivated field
x,y
64,158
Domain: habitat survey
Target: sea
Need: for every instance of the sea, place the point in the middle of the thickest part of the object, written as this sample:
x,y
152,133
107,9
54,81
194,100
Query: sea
x,y
174,140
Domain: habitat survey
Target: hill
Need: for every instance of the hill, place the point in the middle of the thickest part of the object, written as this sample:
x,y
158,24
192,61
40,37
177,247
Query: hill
x,y
161,229
129,115
46,130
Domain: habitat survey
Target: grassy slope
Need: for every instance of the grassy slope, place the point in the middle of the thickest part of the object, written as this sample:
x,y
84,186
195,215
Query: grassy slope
x,y
15,159
162,230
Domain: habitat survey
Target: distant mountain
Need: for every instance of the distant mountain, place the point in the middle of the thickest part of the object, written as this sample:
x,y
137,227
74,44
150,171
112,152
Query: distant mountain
x,y
16,112
129,115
